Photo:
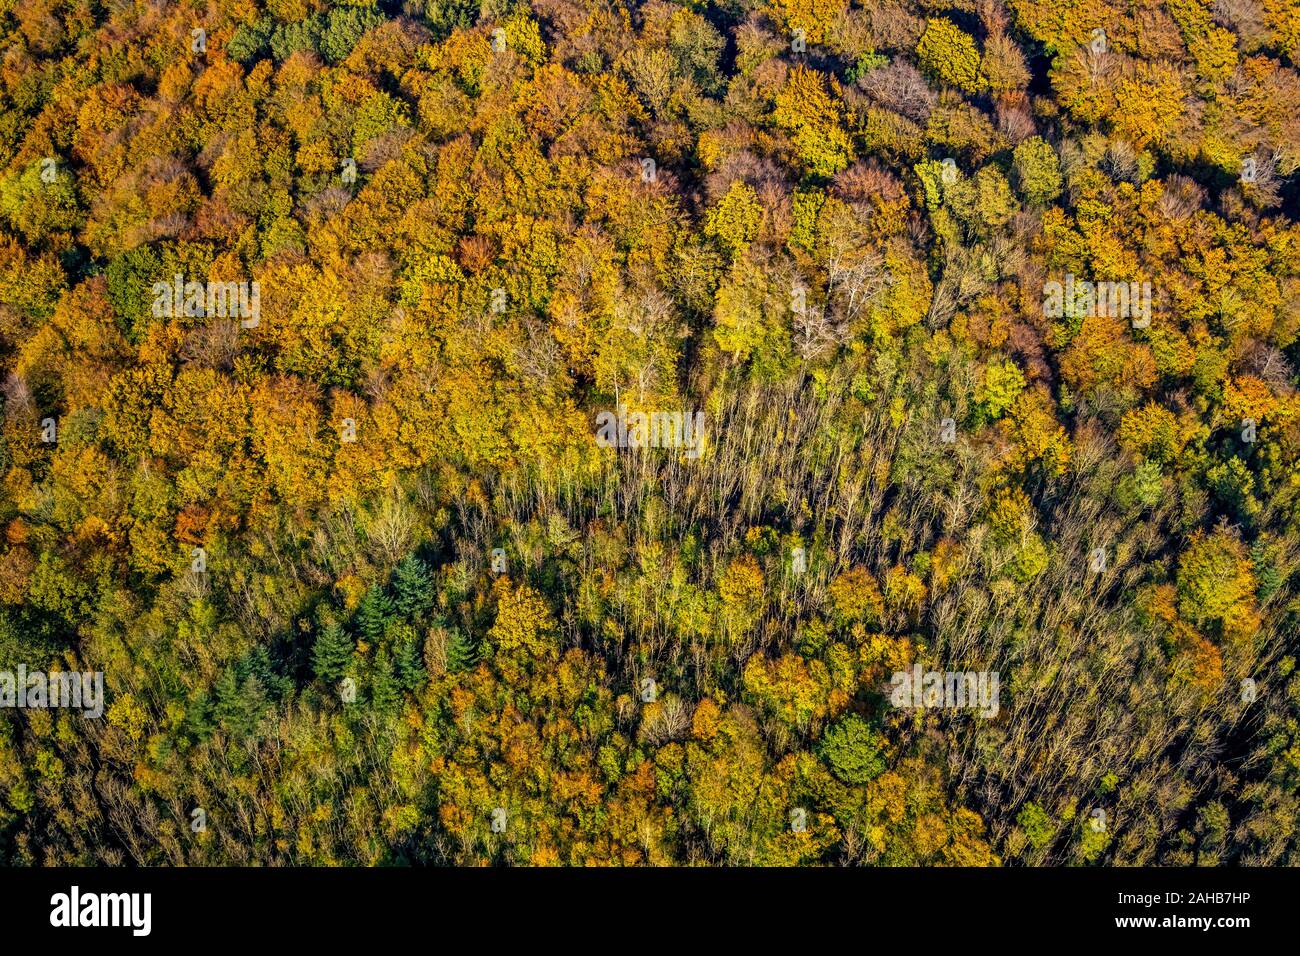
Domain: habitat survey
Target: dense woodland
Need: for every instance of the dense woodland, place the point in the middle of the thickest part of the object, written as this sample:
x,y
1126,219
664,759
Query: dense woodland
x,y
825,224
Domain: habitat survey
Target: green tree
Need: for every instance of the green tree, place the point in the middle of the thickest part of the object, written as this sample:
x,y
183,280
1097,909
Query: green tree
x,y
332,652
344,27
1038,172
408,659
412,588
462,651
373,614
385,690
131,277
1039,828
1216,584
950,55
854,752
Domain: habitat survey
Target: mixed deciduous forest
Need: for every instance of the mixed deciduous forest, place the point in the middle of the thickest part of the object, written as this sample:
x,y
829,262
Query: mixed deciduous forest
x,y
365,589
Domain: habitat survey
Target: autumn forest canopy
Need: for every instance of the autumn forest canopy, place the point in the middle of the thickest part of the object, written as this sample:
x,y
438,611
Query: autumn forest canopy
x,y
650,432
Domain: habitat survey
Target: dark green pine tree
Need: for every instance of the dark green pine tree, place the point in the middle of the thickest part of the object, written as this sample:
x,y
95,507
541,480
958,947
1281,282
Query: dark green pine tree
x,y
199,720
374,613
254,703
258,664
225,697
462,652
413,585
332,652
410,661
239,708
384,690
